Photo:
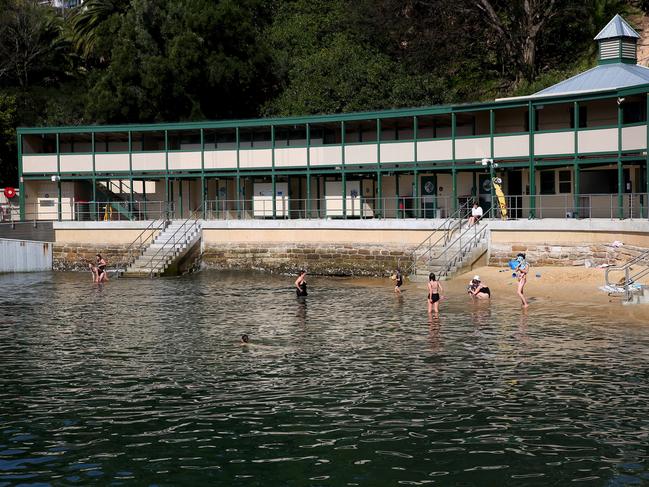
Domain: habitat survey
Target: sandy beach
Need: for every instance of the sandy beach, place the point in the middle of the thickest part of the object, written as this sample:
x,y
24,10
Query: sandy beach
x,y
547,286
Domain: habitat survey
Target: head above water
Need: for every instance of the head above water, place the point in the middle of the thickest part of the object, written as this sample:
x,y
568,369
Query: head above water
x,y
520,256
431,276
245,338
476,278
302,272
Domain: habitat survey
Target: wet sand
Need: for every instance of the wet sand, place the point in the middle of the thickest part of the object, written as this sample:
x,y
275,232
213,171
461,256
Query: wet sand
x,y
554,286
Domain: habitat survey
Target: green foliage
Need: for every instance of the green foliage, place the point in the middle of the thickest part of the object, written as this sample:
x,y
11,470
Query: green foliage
x,y
130,61
8,169
183,60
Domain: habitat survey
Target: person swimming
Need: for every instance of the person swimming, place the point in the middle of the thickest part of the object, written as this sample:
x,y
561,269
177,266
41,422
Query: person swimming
x,y
478,289
434,291
300,284
245,339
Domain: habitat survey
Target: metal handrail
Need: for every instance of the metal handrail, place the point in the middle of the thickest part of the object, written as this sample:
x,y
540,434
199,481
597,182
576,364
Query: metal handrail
x,y
130,251
626,268
190,217
450,220
473,227
467,246
455,219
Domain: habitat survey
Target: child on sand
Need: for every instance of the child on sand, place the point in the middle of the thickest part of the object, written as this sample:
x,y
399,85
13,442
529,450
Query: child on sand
x,y
434,291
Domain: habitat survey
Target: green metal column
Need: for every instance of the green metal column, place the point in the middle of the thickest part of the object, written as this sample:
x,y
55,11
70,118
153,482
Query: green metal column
x,y
379,175
620,168
58,176
646,168
492,175
238,177
21,179
532,168
308,171
575,163
344,177
398,207
416,203
167,200
203,173
272,143
130,173
454,177
203,191
93,207
453,164
180,197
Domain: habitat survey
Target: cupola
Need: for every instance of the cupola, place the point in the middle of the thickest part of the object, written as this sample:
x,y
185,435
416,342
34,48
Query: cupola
x,y
617,42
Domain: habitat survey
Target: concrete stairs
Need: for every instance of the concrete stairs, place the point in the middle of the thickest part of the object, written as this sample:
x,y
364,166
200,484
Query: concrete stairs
x,y
174,251
447,262
638,296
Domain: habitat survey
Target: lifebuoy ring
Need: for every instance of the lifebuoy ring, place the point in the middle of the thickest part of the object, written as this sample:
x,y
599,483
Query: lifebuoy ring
x,y
9,192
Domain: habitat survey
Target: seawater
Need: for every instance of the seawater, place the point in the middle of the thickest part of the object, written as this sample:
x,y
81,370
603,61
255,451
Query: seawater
x,y
144,382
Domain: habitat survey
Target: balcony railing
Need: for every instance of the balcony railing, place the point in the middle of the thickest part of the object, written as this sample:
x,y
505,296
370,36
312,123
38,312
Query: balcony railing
x,y
587,206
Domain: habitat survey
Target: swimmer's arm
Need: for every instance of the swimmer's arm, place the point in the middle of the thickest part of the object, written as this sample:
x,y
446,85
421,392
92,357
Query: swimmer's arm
x,y
439,287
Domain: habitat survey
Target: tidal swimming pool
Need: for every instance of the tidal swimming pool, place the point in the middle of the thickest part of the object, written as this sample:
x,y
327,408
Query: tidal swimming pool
x,y
145,382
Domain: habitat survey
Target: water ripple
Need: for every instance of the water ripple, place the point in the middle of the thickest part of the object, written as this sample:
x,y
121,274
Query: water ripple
x,y
145,382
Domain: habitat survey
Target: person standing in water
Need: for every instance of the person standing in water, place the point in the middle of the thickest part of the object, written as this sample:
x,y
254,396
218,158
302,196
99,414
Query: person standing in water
x,y
434,291
102,276
398,281
300,284
522,268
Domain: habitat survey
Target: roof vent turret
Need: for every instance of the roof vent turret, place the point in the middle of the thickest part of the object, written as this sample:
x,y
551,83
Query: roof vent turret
x,y
617,42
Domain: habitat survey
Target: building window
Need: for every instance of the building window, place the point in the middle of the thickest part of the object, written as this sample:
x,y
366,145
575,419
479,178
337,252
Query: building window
x,y
565,181
547,182
634,112
583,117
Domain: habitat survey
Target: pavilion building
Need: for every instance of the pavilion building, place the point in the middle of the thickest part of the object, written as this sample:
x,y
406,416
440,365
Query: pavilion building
x,y
575,149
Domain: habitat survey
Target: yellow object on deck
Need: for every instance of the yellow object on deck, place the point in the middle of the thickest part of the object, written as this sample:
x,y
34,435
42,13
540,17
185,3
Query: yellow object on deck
x,y
501,200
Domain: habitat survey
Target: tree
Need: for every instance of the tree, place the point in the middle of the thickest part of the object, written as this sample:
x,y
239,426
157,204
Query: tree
x,y
30,43
183,60
8,119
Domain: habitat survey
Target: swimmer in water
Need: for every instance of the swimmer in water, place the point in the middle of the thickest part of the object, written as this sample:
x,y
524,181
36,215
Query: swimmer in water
x,y
434,291
93,270
398,281
522,268
300,284
245,339
478,289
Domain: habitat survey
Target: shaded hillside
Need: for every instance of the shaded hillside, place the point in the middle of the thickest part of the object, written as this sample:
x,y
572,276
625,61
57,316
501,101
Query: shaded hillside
x,y
126,61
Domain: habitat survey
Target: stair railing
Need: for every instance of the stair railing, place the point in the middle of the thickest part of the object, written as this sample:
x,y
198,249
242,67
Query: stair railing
x,y
629,279
164,249
136,248
466,241
451,225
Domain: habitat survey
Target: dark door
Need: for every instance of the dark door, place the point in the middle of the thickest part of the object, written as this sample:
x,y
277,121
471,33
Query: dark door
x,y
514,193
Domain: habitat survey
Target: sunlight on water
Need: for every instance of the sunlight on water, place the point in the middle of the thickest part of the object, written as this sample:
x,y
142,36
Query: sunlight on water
x,y
144,381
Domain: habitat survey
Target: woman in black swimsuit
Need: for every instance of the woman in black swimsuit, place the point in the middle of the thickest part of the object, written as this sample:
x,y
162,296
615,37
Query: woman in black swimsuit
x,y
434,291
101,269
398,278
300,284
477,289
